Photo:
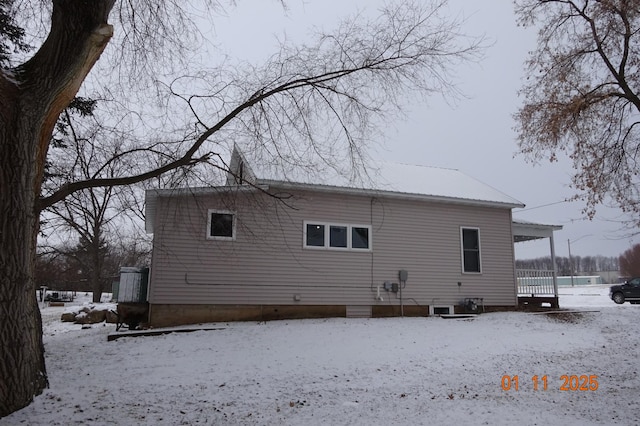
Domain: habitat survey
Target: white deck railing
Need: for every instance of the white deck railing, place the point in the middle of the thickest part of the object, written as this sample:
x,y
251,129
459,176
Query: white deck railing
x,y
532,282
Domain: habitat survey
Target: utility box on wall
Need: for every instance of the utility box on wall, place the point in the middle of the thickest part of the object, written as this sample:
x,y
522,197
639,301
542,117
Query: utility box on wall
x,y
133,285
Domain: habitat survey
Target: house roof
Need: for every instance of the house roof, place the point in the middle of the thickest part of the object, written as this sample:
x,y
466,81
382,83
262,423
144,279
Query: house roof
x,y
382,178
409,180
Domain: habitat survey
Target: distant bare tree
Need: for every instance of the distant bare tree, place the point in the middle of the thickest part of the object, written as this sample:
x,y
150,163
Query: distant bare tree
x,y
81,225
52,271
64,267
319,100
582,265
581,96
630,262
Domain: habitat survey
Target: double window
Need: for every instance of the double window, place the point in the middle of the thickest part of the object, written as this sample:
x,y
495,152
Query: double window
x,y
221,225
470,242
336,236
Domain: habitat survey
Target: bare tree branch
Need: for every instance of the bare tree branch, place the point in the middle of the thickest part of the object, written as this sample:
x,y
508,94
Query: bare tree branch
x,y
359,70
581,97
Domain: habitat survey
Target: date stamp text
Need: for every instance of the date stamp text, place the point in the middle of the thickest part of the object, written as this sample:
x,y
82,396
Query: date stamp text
x,y
588,383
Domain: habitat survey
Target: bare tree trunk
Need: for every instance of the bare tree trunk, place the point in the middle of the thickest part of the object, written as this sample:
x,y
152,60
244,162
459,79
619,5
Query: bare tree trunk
x,y
96,264
22,368
96,288
31,99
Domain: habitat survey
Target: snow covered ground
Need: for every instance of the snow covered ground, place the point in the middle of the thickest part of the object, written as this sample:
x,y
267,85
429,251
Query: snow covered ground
x,y
352,371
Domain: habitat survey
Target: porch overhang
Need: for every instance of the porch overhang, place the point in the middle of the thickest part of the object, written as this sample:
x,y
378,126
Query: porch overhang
x,y
527,231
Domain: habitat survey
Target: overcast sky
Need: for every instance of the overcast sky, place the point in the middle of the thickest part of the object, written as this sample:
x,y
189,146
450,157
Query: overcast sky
x,y
475,135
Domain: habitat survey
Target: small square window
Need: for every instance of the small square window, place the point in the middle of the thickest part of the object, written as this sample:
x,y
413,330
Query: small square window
x,y
359,238
221,225
315,235
338,236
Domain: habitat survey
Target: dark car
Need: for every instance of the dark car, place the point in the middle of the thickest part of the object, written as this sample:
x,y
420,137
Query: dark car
x,y
627,292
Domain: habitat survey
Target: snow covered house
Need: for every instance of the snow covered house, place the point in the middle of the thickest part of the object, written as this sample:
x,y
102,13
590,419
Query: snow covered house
x,y
406,240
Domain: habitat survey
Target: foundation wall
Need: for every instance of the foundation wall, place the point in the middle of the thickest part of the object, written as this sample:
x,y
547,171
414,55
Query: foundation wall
x,y
172,315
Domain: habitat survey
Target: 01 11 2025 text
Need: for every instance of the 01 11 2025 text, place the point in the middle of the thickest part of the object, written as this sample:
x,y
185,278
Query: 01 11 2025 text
x,y
568,382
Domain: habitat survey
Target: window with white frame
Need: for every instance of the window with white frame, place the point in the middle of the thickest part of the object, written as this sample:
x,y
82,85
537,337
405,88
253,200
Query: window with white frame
x,y
470,243
314,235
336,236
360,237
221,225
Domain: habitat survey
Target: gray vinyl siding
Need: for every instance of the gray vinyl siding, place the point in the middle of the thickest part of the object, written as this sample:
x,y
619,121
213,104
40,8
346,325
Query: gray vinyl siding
x,y
267,264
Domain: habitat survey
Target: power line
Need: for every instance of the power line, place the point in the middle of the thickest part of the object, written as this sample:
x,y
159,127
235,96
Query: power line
x,y
544,205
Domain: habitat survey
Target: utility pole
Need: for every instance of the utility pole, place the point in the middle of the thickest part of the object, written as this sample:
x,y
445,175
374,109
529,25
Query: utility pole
x,y
570,258
570,261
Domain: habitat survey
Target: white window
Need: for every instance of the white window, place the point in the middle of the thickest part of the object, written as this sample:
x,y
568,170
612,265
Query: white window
x,y
314,235
470,245
441,310
360,237
221,225
336,236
